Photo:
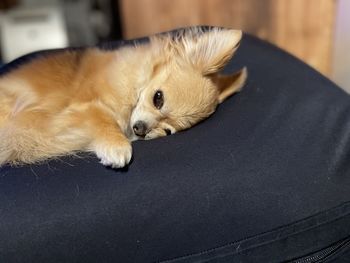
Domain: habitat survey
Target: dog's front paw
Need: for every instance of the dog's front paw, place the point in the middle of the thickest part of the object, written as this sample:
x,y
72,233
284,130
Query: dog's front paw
x,y
115,156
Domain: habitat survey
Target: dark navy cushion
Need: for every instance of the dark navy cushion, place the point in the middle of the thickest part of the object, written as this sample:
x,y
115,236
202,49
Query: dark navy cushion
x,y
265,179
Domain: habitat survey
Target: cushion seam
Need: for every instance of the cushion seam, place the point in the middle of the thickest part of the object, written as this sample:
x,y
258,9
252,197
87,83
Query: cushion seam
x,y
278,231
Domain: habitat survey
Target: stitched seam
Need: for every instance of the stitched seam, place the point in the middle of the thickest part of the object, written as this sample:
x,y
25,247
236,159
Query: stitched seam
x,y
280,236
262,243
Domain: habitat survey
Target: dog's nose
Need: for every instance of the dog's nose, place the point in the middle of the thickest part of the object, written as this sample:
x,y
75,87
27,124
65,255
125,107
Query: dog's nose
x,y
140,128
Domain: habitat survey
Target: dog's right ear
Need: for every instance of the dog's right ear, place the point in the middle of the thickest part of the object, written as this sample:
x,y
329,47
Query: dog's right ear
x,y
211,50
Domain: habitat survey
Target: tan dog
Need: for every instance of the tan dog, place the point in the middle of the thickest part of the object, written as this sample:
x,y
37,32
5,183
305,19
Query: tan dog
x,y
99,101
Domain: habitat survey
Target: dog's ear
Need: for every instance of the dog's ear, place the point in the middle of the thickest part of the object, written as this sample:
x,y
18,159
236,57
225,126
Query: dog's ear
x,y
229,84
210,51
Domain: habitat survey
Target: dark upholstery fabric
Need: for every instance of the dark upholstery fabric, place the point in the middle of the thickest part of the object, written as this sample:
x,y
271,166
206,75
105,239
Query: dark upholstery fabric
x,y
265,179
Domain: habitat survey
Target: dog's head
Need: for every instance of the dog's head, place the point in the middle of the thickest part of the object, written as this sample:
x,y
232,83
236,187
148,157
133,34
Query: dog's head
x,y
182,86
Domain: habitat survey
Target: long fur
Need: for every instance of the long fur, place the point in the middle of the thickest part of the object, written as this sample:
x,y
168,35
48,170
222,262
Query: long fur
x,y
90,99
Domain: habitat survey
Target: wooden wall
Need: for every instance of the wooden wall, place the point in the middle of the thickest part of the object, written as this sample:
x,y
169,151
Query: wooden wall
x,y
302,27
341,54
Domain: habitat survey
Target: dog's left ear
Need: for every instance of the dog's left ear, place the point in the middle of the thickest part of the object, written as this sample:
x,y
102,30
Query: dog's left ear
x,y
210,51
229,84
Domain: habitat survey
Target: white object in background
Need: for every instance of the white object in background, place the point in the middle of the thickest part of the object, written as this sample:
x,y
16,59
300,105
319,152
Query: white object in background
x,y
25,30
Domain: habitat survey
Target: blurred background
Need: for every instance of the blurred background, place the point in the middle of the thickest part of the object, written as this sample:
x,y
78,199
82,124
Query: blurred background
x,y
316,31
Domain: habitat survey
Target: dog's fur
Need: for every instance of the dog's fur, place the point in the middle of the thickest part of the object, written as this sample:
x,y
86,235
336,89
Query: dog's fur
x,y
90,100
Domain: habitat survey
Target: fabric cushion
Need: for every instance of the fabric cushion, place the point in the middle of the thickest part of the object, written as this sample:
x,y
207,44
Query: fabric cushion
x,y
265,179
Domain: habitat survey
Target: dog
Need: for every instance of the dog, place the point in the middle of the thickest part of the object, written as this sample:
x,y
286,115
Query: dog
x,y
99,101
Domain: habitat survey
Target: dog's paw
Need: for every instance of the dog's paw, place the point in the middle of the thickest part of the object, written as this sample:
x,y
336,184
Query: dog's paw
x,y
115,156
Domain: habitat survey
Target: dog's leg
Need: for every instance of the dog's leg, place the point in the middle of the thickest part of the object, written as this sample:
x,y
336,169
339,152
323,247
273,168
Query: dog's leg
x,y
26,138
5,106
5,149
108,141
4,111
112,148
34,136
6,103
98,132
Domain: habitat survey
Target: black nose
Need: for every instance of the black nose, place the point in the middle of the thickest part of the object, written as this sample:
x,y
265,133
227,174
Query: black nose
x,y
140,128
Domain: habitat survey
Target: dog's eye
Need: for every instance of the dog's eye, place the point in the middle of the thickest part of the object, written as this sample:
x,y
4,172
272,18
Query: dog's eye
x,y
158,99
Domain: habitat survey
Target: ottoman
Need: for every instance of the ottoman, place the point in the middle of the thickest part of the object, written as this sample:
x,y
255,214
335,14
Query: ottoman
x,y
265,179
